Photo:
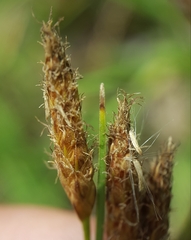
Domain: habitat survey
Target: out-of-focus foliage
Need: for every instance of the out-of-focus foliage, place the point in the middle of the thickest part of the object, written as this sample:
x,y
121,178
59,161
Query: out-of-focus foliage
x,y
138,45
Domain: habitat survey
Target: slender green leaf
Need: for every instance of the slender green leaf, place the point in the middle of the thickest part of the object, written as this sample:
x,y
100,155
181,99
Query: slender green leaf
x,y
100,208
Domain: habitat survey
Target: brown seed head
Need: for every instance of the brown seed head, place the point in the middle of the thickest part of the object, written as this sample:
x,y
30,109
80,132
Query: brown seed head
x,y
71,155
160,184
123,180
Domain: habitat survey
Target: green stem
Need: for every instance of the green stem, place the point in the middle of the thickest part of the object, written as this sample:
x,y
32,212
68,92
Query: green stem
x,y
86,228
100,206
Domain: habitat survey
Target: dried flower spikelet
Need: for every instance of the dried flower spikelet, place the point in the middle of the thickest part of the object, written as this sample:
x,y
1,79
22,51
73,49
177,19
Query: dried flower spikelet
x,y
160,184
123,190
62,102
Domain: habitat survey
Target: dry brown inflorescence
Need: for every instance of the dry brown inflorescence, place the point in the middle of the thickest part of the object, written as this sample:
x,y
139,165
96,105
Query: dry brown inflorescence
x,y
137,202
62,102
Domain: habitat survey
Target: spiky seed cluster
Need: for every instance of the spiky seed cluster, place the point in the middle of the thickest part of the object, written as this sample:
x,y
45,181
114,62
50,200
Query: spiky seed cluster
x,y
160,184
132,212
123,180
62,102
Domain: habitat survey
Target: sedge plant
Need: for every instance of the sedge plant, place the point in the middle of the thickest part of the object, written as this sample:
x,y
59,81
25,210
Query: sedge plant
x,y
130,203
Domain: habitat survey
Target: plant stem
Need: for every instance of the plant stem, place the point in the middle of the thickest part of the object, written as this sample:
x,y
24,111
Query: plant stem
x,y
100,206
86,228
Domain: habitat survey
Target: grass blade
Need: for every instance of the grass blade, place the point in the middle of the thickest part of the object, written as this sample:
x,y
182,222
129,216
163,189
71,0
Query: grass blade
x,y
100,206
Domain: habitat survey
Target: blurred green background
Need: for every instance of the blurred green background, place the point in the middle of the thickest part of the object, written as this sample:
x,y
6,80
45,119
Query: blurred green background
x,y
138,45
